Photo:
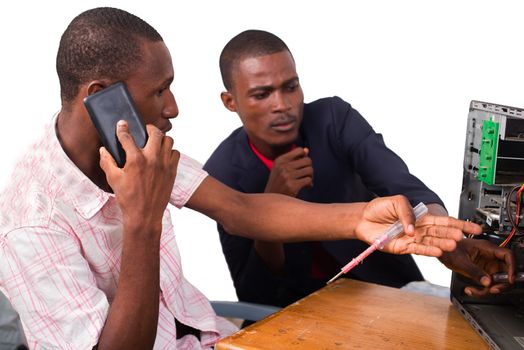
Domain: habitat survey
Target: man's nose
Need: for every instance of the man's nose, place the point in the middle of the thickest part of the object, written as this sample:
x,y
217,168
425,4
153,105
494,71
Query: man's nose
x,y
171,107
281,102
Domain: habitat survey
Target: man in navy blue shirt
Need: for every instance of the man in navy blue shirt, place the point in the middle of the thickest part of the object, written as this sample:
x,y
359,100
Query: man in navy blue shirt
x,y
325,152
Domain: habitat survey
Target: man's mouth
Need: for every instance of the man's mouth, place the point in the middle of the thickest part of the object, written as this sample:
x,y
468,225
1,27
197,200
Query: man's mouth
x,y
283,124
166,128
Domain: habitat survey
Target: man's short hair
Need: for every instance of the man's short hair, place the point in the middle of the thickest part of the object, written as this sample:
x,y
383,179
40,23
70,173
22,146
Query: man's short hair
x,y
250,43
101,43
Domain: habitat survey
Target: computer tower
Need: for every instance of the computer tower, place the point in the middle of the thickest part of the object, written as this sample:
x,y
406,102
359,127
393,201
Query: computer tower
x,y
493,196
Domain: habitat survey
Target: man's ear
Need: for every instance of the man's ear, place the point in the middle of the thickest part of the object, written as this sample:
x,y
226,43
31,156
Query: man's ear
x,y
229,101
96,85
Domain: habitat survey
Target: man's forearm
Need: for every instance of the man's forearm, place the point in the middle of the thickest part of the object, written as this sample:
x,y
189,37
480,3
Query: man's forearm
x,y
133,316
273,217
287,220
278,218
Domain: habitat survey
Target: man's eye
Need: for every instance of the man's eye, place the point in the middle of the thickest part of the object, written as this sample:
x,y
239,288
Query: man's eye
x,y
261,95
162,90
292,86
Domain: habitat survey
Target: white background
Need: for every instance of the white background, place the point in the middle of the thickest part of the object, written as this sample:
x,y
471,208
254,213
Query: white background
x,y
410,67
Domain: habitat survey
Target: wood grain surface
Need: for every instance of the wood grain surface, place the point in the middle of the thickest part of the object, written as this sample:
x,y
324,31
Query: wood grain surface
x,y
349,314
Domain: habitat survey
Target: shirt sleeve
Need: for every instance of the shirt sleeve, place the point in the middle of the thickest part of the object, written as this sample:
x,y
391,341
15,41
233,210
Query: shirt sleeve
x,y
189,176
50,284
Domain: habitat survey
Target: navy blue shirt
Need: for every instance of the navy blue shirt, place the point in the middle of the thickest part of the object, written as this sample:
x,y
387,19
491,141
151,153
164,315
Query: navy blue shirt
x,y
351,163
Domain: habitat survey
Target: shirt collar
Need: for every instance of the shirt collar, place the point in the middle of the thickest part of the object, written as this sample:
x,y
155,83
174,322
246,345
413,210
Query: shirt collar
x,y
86,197
267,162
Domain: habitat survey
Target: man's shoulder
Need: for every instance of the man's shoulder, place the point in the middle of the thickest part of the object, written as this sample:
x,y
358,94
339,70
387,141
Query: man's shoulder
x,y
325,112
25,203
32,191
232,159
333,106
222,155
325,102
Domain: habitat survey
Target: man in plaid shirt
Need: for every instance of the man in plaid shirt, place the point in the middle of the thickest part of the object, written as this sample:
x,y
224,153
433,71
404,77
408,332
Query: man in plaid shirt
x,y
88,252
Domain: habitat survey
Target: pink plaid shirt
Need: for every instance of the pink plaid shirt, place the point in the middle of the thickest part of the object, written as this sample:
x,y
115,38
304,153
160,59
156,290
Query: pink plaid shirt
x,y
60,251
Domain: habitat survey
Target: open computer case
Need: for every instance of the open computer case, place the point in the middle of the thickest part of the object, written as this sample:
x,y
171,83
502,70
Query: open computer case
x,y
492,196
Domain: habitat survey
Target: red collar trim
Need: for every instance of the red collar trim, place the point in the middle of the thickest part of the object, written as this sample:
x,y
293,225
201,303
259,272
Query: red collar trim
x,y
267,162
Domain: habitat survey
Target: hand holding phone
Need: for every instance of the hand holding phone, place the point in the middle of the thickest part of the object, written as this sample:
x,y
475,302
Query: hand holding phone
x,y
106,107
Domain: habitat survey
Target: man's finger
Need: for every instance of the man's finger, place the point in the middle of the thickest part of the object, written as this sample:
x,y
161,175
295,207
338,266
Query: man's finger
x,y
155,138
441,232
301,163
304,172
175,156
404,212
509,259
296,153
443,244
167,147
465,226
471,270
107,162
304,182
499,287
476,292
426,250
167,143
125,138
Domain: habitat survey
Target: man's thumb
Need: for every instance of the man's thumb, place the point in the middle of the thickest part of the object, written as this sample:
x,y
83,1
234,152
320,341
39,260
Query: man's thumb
x,y
106,160
478,274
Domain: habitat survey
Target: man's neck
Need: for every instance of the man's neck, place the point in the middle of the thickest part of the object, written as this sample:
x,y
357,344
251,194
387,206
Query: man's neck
x,y
271,152
80,142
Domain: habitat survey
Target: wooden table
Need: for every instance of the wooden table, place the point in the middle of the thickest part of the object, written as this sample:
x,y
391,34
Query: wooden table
x,y
348,314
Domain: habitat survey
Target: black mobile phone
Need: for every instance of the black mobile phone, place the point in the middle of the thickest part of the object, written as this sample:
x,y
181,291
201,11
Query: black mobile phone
x,y
106,107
